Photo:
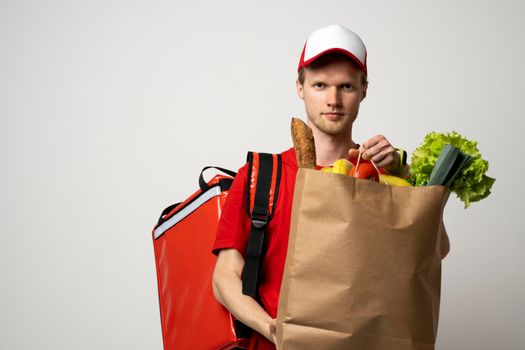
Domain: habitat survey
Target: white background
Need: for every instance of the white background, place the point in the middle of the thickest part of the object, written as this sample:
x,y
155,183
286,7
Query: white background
x,y
109,109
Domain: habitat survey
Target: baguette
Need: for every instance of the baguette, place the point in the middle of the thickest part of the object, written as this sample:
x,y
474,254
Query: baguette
x,y
303,141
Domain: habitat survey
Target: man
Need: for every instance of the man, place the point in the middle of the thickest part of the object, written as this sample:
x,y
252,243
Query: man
x,y
332,81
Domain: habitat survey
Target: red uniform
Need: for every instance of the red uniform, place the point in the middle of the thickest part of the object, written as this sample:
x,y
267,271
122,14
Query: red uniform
x,y
234,228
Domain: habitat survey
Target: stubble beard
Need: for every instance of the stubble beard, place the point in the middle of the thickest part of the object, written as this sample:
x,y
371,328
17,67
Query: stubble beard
x,y
332,128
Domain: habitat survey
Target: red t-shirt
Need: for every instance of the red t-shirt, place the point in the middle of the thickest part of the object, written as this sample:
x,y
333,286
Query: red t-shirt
x,y
234,229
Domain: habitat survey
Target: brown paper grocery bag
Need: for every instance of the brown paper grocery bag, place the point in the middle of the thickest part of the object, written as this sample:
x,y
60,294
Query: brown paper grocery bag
x,y
363,267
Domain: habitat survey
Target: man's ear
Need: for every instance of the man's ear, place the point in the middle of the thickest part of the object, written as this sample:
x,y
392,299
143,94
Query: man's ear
x,y
299,87
365,89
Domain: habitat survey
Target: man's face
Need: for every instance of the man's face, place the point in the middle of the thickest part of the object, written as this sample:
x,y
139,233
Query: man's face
x,y
332,94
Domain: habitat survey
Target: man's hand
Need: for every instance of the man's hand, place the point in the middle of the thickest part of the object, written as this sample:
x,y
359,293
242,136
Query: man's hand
x,y
273,330
379,150
227,287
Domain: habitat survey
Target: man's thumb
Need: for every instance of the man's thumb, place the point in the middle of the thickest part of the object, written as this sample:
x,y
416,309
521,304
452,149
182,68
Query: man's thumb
x,y
353,153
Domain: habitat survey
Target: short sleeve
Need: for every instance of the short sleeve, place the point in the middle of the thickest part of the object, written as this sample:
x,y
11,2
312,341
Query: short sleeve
x,y
234,225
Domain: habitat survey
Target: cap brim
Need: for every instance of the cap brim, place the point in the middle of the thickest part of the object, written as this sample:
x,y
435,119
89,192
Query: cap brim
x,y
338,50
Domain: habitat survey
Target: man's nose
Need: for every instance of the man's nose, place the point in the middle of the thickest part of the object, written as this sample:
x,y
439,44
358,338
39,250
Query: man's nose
x,y
334,100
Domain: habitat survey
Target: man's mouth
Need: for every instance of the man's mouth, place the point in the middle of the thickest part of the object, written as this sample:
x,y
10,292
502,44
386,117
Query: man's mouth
x,y
333,115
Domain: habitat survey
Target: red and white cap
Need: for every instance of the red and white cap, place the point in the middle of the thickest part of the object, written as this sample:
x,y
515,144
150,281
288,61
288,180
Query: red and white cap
x,y
334,38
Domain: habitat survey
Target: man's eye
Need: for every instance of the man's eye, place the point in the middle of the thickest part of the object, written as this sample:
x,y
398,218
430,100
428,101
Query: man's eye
x,y
318,85
347,86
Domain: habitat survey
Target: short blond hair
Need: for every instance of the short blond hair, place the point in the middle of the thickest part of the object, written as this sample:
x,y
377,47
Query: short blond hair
x,y
327,59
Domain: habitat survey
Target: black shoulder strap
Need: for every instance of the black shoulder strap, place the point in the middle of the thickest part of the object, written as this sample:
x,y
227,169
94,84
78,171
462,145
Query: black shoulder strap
x,y
264,172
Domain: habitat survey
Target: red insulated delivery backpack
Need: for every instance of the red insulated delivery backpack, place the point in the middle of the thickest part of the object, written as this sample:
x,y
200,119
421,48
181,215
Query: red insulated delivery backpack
x,y
191,317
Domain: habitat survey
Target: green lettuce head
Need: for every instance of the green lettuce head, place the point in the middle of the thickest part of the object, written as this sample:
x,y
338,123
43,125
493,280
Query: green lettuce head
x,y
471,184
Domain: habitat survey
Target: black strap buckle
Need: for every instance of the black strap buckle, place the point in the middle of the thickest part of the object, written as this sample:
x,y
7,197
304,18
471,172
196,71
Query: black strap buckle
x,y
259,221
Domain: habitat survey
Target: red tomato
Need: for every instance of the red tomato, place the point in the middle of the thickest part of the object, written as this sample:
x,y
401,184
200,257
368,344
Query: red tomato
x,y
365,171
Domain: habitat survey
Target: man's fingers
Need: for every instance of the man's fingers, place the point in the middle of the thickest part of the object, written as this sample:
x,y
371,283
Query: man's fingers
x,y
371,142
378,158
273,330
378,151
273,325
385,162
375,153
